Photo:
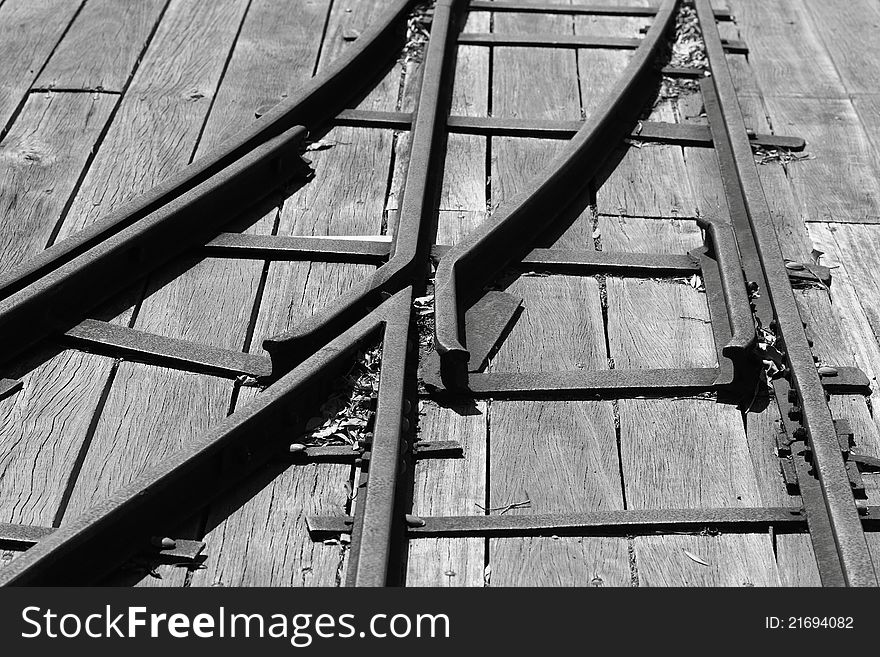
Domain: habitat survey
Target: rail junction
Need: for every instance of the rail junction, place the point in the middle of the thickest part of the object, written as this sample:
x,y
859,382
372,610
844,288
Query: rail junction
x,y
556,336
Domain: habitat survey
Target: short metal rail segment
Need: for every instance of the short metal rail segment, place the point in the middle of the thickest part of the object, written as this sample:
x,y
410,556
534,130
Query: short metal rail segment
x,y
303,363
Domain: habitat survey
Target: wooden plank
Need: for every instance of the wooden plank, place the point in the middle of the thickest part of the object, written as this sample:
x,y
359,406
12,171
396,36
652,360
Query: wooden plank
x,y
558,455
456,486
42,429
628,189
103,45
786,53
41,160
678,452
172,88
29,32
868,109
841,184
848,28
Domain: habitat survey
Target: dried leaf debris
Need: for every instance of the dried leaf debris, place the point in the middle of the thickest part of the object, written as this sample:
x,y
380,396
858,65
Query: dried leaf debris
x,y
347,415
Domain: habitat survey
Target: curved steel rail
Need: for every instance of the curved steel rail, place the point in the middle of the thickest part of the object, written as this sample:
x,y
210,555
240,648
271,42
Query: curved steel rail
x,y
487,250
289,348
35,283
112,531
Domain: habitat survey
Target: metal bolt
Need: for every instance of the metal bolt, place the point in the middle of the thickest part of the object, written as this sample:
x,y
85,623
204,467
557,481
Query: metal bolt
x,y
794,413
792,395
414,521
163,542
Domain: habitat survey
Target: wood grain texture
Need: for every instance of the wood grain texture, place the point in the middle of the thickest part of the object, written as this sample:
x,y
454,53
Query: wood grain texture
x,y
786,53
854,310
103,45
465,176
42,429
456,486
849,31
29,32
559,455
868,109
40,161
631,189
156,129
734,560
841,184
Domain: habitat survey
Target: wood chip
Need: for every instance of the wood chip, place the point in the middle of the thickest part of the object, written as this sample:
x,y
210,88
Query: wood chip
x,y
693,557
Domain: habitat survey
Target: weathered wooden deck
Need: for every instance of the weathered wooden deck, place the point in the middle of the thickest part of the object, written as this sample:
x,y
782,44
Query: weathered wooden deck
x,y
102,99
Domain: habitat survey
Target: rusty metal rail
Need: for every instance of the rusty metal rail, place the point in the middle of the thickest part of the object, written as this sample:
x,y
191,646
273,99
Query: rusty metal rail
x,y
36,302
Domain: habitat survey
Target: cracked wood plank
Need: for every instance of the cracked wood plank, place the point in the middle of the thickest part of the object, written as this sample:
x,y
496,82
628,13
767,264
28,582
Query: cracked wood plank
x,y
29,32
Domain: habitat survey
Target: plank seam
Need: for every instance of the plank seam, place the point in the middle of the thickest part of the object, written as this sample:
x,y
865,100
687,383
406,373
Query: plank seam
x,y
14,116
65,211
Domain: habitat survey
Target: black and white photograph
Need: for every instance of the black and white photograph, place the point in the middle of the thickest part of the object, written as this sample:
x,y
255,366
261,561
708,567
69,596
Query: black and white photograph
x,y
556,297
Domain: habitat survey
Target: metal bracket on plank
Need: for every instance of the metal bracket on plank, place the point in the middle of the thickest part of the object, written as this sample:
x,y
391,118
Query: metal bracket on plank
x,y
165,550
303,454
595,523
684,134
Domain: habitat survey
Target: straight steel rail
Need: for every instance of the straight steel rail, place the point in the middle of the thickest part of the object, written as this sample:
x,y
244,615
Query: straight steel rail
x,y
841,549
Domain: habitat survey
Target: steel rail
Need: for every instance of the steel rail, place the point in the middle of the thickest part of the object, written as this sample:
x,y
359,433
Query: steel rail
x,y
591,523
105,536
844,559
487,250
33,283
427,141
576,10
65,294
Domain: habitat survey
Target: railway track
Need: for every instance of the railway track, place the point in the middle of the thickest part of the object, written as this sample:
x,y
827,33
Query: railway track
x,y
752,312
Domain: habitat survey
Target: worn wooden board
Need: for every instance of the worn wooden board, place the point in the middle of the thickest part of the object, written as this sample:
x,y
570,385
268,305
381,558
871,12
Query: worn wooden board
x,y
157,126
42,429
102,46
629,190
786,52
848,28
41,160
841,183
558,455
29,33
